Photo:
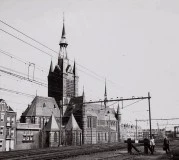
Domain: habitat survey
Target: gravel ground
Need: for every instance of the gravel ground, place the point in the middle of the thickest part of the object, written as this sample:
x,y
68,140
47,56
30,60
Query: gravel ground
x,y
159,154
122,154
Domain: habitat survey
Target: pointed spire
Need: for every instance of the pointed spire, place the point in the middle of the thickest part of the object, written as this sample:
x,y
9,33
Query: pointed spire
x,y
118,109
118,113
105,92
83,95
63,41
51,67
74,68
63,30
105,95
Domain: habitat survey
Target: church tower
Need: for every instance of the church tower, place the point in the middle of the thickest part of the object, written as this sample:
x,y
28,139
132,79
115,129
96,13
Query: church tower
x,y
63,80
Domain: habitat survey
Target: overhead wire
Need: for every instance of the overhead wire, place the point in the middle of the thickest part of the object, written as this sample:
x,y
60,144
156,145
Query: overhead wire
x,y
27,36
22,61
27,62
25,42
132,103
47,48
17,92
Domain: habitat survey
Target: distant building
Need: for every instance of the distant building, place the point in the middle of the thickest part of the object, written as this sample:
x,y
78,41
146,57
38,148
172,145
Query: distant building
x,y
7,127
169,133
156,133
130,131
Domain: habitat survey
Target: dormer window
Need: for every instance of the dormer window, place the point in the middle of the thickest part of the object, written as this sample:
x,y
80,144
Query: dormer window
x,y
44,105
55,106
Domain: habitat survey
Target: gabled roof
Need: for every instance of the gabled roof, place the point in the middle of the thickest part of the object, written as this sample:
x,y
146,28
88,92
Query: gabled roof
x,y
7,108
75,106
42,106
72,124
52,124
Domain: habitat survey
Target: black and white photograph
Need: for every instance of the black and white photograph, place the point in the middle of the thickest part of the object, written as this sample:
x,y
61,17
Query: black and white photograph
x,y
89,79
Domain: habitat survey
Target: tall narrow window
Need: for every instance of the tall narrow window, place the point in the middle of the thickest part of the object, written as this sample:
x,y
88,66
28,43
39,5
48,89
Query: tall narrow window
x,y
2,117
12,133
98,136
105,137
1,130
55,137
8,119
89,122
12,120
94,122
1,142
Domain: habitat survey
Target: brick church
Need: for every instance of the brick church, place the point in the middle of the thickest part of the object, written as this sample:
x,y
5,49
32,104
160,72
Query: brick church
x,y
63,118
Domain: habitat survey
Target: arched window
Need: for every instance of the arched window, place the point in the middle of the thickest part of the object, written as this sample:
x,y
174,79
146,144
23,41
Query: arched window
x,y
55,137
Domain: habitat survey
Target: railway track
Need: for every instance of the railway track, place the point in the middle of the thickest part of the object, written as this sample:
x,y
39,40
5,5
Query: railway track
x,y
60,153
71,151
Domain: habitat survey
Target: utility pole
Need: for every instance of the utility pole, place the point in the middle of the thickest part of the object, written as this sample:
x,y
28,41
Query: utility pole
x,y
150,115
61,110
109,129
136,129
91,130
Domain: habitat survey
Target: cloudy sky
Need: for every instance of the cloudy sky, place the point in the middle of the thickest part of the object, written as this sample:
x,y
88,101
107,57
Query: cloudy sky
x,y
131,43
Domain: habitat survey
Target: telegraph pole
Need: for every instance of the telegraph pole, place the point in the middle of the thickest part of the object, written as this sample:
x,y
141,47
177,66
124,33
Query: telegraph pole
x,y
61,110
150,115
136,129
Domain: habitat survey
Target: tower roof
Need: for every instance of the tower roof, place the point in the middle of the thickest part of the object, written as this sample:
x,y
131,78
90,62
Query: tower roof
x,y
52,124
72,124
105,90
51,67
105,95
118,109
74,68
63,40
63,31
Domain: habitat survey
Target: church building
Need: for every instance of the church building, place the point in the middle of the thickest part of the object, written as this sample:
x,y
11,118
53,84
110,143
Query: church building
x,y
64,117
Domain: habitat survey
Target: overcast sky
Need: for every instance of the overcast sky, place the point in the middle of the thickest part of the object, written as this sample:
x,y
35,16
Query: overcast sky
x,y
133,43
